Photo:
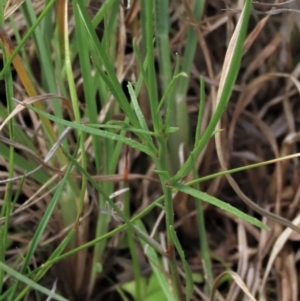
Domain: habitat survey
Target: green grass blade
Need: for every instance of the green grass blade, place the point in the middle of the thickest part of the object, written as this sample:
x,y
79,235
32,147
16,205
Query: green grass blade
x,y
169,88
112,204
43,47
162,24
102,12
222,205
41,271
189,52
156,266
152,89
226,90
136,107
201,110
40,176
188,273
43,224
123,227
26,37
31,283
199,204
205,252
93,131
7,204
89,87
104,59
180,116
143,67
133,249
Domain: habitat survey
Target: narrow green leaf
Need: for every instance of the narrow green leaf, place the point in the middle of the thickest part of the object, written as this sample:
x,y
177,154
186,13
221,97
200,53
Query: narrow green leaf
x,y
103,58
90,130
26,37
137,109
201,110
42,270
232,73
152,86
222,205
113,205
43,223
169,89
171,130
187,269
142,66
29,282
156,266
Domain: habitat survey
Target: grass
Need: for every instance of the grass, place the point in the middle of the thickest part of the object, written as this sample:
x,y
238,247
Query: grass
x,y
121,127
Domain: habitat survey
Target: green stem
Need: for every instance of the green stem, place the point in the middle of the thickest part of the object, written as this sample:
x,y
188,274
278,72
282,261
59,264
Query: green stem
x,y
169,210
6,209
74,99
180,116
45,268
162,39
231,74
170,245
152,90
133,251
199,203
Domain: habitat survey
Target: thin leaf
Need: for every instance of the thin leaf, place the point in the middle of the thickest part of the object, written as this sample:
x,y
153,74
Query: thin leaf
x,y
31,283
43,223
222,205
188,272
156,266
169,88
90,130
137,109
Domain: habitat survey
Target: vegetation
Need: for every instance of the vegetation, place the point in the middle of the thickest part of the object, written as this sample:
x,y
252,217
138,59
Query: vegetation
x,y
149,150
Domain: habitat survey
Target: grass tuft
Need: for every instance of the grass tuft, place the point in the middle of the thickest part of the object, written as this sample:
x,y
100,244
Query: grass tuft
x,y
149,150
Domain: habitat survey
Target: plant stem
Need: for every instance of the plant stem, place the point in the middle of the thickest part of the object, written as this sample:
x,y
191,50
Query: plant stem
x,y
133,251
169,210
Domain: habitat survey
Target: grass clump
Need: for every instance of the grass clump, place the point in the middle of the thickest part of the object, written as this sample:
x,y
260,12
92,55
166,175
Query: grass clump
x,y
119,125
